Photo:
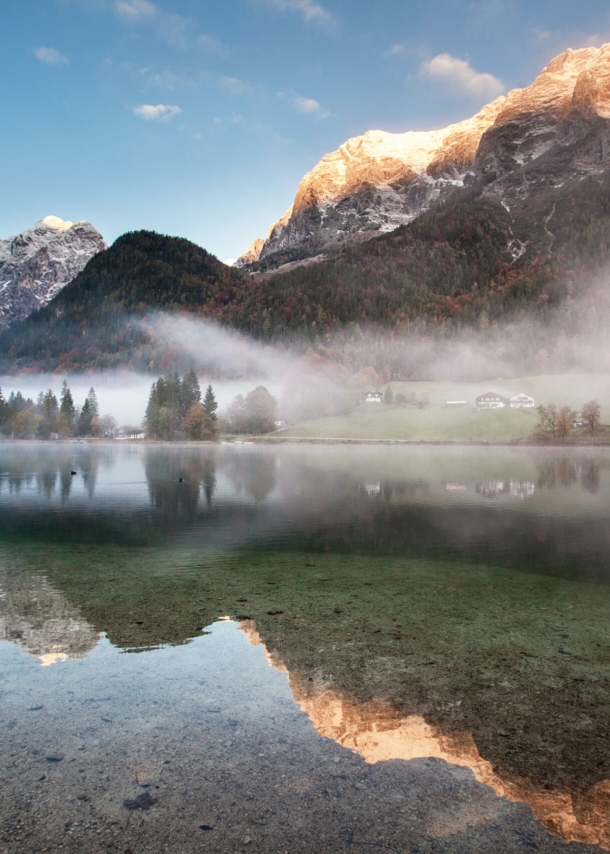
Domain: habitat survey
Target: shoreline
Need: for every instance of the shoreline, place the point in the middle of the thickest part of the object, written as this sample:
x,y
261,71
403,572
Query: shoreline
x,y
312,440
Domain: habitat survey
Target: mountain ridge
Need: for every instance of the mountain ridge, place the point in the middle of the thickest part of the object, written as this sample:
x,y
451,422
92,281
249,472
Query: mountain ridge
x,y
379,181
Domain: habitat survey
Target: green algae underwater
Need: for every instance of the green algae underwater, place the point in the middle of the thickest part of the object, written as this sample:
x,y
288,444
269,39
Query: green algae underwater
x,y
424,603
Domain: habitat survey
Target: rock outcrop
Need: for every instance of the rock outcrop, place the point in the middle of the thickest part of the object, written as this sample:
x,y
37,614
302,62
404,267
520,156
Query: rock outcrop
x,y
37,264
554,130
251,254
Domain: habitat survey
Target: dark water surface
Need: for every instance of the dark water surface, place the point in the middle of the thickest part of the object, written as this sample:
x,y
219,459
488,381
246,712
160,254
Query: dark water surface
x,y
304,649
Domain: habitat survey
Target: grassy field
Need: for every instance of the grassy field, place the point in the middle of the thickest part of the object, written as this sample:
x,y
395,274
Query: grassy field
x,y
435,423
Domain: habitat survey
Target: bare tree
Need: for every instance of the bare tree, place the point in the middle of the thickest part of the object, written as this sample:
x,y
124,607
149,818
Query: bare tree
x,y
590,414
549,416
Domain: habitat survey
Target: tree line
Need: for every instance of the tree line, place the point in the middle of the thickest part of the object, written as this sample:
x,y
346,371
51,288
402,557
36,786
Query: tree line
x,y
175,410
50,418
558,422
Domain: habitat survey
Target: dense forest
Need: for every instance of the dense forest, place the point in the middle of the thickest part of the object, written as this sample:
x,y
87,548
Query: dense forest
x,y
468,264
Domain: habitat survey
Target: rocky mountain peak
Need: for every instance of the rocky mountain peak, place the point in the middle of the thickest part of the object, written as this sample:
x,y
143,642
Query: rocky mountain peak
x,y
380,180
36,264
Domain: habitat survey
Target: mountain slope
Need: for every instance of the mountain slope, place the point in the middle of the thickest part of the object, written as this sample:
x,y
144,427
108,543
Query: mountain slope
x,y
380,180
37,264
94,321
468,262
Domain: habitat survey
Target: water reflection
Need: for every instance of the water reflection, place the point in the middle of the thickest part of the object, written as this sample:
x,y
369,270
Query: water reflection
x,y
434,603
39,620
175,482
378,733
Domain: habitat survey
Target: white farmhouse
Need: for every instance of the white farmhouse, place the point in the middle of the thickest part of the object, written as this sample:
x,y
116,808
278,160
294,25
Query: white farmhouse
x,y
373,397
522,401
491,400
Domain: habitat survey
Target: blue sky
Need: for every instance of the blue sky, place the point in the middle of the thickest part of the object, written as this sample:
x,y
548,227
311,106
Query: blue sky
x,y
199,118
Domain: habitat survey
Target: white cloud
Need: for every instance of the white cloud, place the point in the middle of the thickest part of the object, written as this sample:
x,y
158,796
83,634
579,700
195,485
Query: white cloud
x,y
235,86
50,56
310,107
135,10
459,76
396,50
310,11
305,106
157,112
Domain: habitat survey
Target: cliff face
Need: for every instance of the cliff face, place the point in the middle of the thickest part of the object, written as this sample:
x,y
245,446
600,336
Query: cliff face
x,y
37,264
553,131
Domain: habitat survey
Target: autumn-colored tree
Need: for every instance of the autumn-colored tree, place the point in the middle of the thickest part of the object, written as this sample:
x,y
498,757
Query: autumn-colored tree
x,y
564,421
200,425
590,414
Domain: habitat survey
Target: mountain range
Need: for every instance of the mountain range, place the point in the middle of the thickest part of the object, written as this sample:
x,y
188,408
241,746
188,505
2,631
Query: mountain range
x,y
525,144
36,264
504,216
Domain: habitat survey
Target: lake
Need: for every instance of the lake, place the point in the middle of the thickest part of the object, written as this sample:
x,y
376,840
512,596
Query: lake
x,y
304,648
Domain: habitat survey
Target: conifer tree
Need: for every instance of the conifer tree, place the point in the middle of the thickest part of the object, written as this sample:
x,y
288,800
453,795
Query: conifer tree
x,y
67,412
209,404
190,392
48,408
88,414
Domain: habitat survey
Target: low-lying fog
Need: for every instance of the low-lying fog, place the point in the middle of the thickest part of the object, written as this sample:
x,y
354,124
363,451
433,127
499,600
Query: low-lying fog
x,y
123,395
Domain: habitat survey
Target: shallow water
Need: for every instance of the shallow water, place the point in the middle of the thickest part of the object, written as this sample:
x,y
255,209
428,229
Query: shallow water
x,y
328,648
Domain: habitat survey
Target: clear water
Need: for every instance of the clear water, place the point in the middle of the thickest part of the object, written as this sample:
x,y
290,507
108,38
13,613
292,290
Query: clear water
x,y
313,648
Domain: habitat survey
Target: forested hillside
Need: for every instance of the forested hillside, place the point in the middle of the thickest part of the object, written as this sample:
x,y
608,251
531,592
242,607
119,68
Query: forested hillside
x,y
468,263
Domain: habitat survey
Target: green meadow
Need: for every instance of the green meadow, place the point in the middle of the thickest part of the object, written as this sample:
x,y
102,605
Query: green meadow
x,y
434,422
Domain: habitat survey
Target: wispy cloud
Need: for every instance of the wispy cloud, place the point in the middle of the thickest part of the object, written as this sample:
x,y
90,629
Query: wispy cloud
x,y
209,44
309,10
171,28
235,86
50,56
226,121
136,10
396,50
305,106
173,80
458,75
489,12
157,112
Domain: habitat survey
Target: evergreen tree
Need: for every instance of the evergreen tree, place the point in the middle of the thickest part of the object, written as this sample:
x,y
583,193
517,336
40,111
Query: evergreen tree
x,y
209,404
388,397
48,409
173,390
3,411
89,415
93,402
85,420
67,412
190,392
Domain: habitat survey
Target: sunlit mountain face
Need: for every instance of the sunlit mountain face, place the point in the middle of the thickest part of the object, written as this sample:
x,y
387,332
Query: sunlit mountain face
x,y
516,150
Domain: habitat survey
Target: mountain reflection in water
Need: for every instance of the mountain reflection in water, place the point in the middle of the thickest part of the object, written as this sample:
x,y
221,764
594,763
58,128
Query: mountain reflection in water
x,y
376,731
444,603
